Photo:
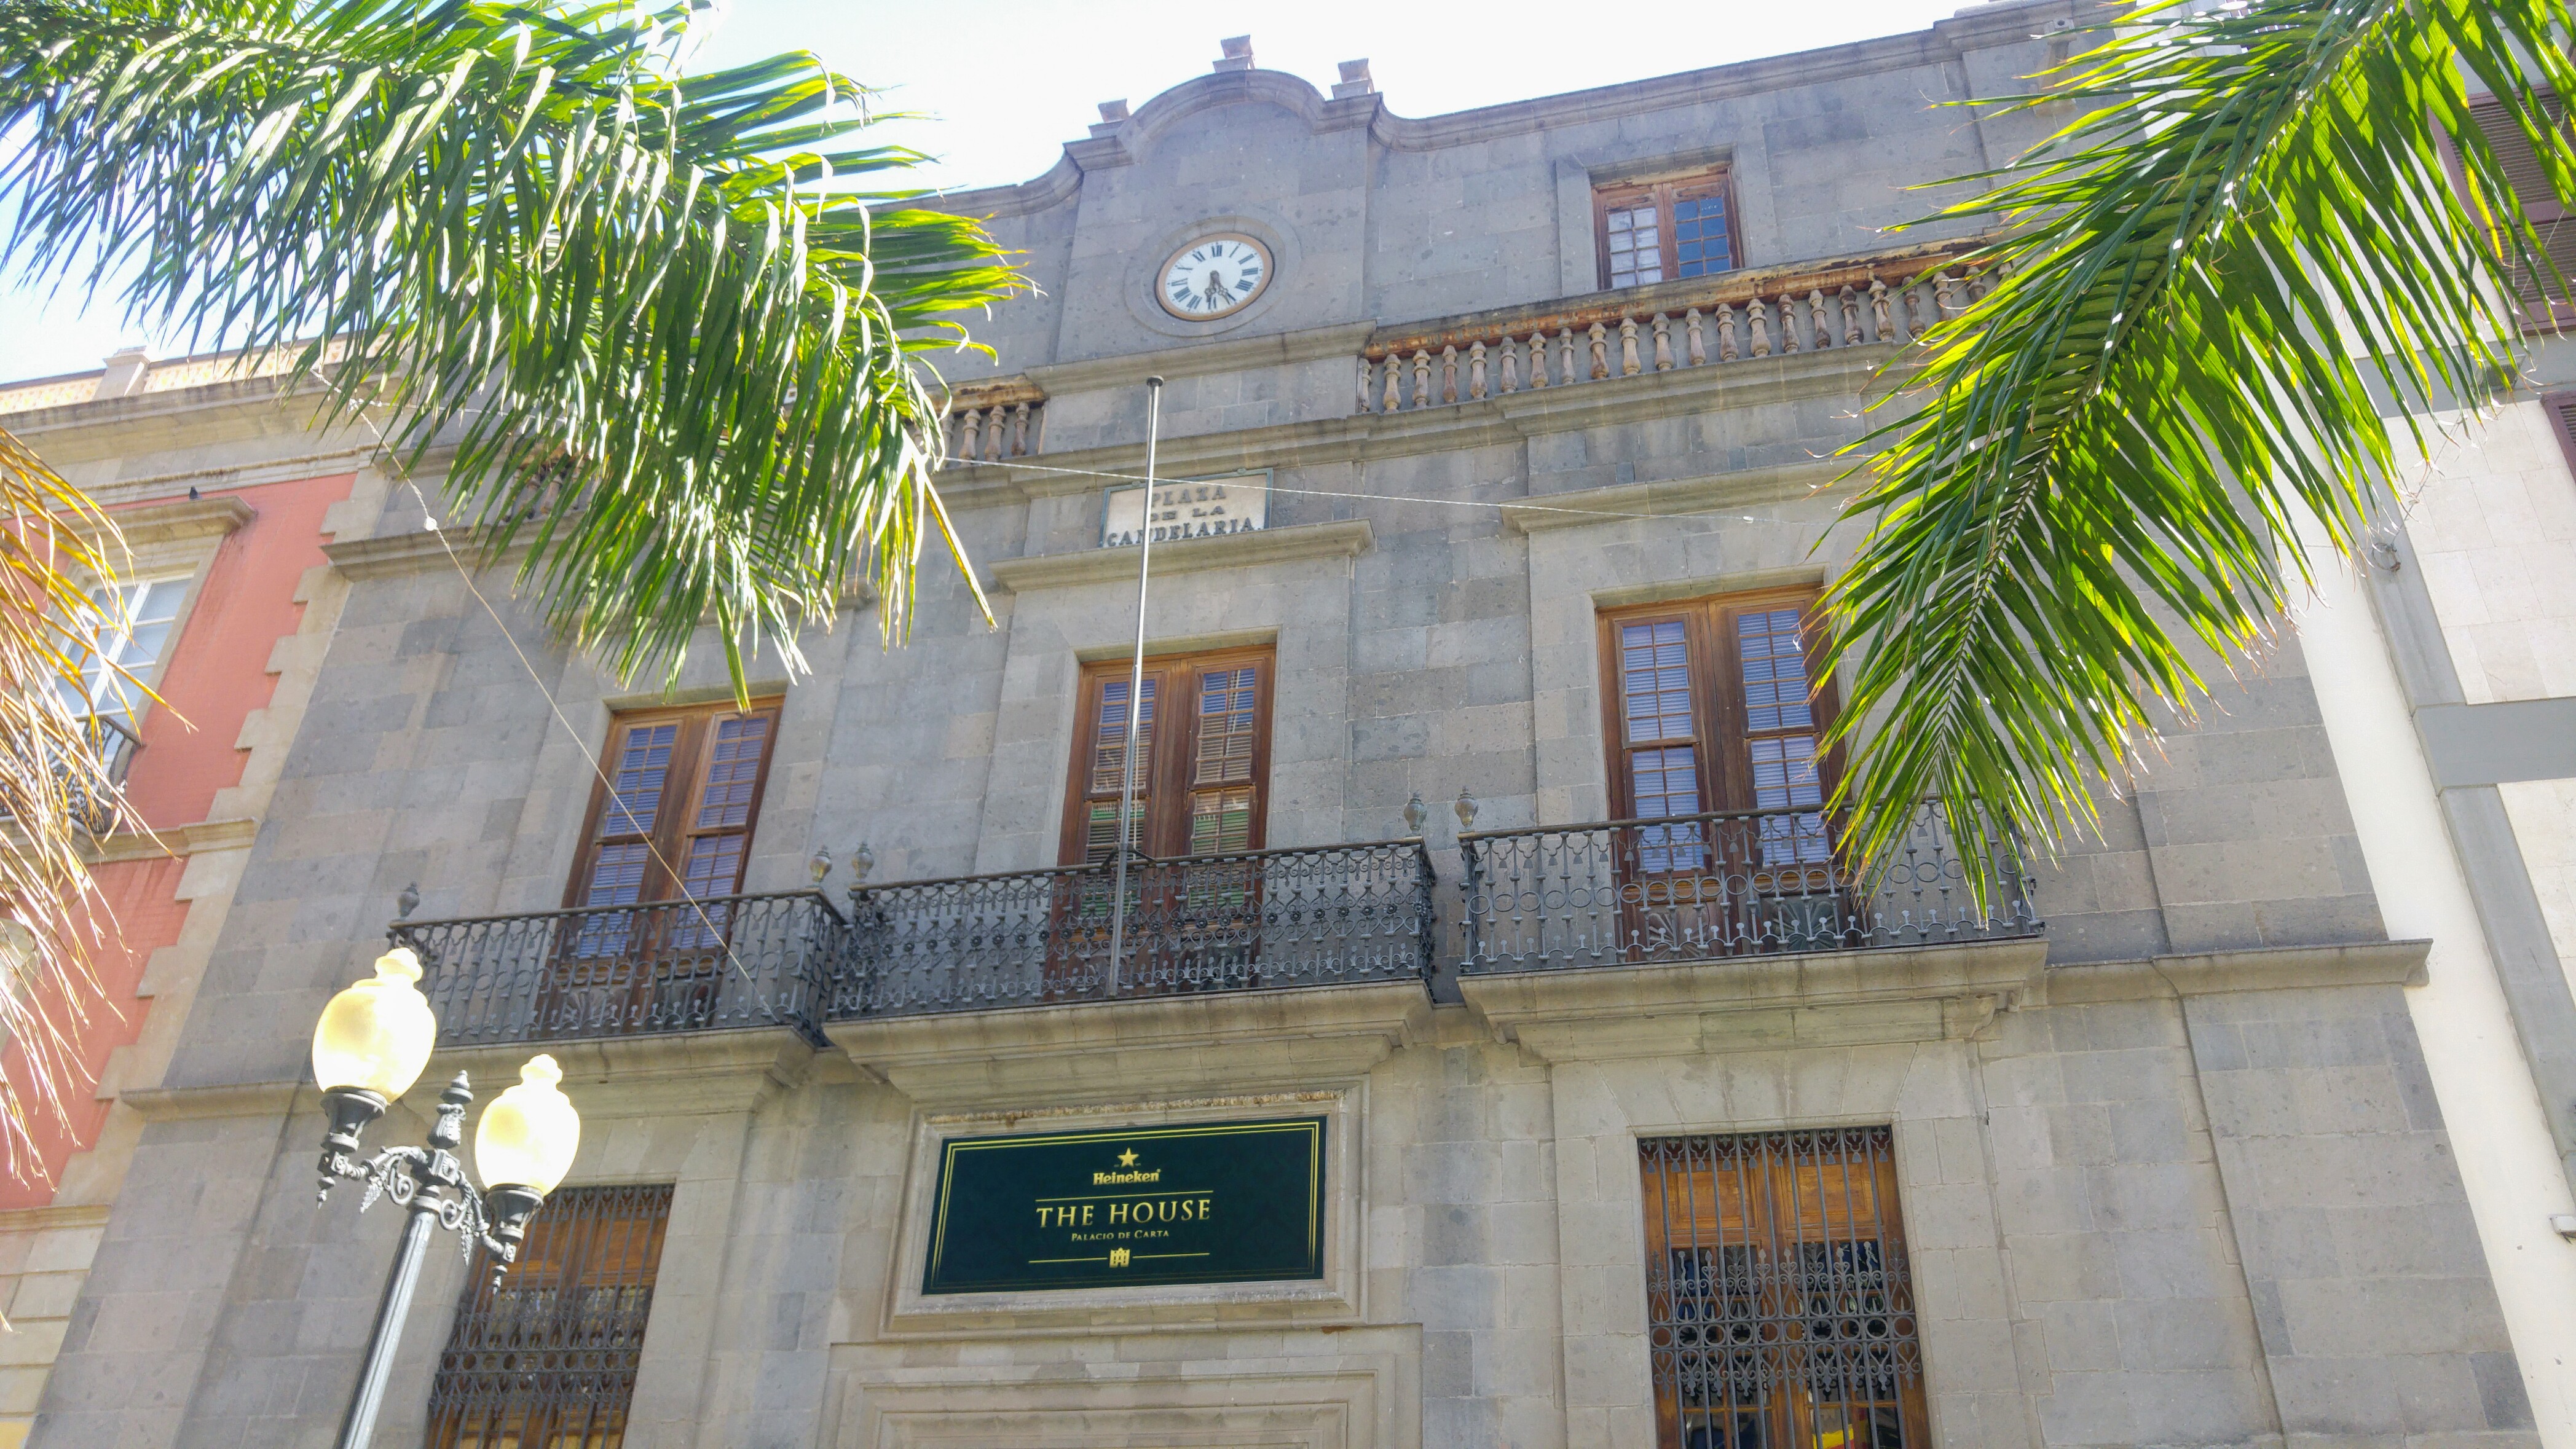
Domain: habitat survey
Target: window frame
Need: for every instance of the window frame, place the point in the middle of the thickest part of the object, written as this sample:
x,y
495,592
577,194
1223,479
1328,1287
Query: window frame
x,y
673,829
1165,786
1663,193
1716,691
105,694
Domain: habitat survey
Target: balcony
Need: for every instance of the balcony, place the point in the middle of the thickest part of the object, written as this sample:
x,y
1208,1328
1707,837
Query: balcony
x,y
1880,298
733,961
1226,923
1683,890
1264,919
1710,887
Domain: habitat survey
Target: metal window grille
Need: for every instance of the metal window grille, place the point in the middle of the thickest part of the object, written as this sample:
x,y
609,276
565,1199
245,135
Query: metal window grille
x,y
548,1357
1780,1308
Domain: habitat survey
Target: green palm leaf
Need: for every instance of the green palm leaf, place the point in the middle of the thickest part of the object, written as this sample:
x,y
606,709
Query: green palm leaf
x,y
2263,217
661,326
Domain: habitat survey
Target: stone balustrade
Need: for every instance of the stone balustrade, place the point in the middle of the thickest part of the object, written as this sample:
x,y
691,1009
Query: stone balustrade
x,y
1886,298
992,421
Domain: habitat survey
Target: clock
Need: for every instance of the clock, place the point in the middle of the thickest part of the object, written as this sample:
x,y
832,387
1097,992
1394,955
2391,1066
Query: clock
x,y
1215,276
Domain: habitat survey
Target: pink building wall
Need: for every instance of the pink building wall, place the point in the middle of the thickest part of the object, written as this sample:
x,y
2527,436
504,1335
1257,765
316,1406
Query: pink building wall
x,y
216,675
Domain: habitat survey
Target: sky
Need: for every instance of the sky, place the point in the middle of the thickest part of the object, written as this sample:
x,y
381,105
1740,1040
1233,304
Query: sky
x,y
1002,84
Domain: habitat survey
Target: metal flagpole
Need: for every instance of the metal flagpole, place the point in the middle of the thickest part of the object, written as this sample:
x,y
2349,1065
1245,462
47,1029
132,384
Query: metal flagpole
x,y
1135,689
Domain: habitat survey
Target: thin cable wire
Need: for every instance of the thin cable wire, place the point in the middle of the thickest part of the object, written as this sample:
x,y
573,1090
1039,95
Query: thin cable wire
x,y
1135,686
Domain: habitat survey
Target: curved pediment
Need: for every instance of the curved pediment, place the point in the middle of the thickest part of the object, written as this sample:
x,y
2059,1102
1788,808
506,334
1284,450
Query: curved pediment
x,y
1201,94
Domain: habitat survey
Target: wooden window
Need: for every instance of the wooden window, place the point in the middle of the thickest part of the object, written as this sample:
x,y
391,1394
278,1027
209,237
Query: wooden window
x,y
1718,704
677,822
2550,217
1202,756
1656,231
1779,1302
547,1357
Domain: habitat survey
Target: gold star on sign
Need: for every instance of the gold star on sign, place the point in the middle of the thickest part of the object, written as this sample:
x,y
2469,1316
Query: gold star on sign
x,y
1127,1158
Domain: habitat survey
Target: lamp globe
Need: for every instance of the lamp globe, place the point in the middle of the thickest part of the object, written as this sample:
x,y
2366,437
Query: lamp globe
x,y
376,1035
528,1135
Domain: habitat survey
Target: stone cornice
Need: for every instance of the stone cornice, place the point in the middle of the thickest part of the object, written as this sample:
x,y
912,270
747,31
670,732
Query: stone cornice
x,y
41,1219
1116,1051
1834,997
265,392
1362,437
1344,539
195,838
116,492
675,1074
2280,968
1787,482
225,1099
394,554
175,520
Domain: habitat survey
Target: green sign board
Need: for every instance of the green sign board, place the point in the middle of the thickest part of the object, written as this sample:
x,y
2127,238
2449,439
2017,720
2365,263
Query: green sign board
x,y
1206,1202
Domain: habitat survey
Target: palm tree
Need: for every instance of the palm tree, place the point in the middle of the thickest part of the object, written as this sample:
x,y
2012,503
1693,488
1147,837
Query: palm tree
x,y
662,321
2264,212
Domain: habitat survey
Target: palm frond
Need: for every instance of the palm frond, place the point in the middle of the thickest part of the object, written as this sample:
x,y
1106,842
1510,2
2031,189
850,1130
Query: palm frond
x,y
663,321
58,567
2266,220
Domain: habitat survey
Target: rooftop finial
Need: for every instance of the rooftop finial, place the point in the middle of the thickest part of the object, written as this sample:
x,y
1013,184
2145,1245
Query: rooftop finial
x,y
1355,81
1238,53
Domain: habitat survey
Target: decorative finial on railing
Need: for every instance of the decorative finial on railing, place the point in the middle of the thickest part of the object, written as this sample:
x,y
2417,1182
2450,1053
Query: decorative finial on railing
x,y
1414,815
407,902
1466,808
820,863
862,860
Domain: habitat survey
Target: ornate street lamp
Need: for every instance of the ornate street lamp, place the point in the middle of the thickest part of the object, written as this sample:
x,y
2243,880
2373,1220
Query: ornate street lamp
x,y
369,1047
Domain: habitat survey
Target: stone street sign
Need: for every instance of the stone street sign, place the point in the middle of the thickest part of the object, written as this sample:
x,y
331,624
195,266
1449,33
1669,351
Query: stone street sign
x,y
1207,1202
1187,508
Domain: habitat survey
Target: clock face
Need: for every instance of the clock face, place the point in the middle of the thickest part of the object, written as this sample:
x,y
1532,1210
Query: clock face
x,y
1214,276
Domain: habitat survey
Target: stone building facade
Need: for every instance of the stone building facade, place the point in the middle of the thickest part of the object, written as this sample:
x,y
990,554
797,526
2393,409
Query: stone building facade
x,y
1481,851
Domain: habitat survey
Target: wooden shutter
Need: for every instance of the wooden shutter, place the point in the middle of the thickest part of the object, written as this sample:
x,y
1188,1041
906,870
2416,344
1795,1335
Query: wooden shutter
x,y
2521,165
1716,704
674,818
2549,216
1202,757
2561,408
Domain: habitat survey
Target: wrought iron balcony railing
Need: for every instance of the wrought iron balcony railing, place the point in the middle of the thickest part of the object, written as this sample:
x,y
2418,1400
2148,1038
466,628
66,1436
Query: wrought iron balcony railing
x,y
1728,884
731,961
1630,892
1269,918
109,745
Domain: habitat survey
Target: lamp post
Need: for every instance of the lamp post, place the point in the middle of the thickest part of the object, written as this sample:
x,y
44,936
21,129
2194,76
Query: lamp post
x,y
369,1047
